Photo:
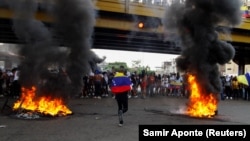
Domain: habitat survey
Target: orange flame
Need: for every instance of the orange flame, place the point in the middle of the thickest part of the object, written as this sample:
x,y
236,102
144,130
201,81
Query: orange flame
x,y
45,105
200,104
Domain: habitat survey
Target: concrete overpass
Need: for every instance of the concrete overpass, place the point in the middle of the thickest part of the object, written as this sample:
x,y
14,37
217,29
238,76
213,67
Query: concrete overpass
x,y
117,28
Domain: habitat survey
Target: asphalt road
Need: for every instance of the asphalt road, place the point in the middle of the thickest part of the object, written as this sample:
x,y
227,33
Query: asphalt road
x,y
96,119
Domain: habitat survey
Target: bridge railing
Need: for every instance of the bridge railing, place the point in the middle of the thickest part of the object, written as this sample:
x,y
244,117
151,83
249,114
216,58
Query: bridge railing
x,y
152,8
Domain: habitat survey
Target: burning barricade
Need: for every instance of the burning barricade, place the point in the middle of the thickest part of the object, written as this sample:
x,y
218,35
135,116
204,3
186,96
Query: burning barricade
x,y
200,104
196,23
31,107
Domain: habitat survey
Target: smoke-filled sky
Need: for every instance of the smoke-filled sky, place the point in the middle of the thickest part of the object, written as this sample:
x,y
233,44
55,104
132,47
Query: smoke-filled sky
x,y
195,21
73,24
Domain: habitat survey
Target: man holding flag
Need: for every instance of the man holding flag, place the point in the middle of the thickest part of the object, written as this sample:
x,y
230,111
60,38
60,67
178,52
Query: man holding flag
x,y
120,87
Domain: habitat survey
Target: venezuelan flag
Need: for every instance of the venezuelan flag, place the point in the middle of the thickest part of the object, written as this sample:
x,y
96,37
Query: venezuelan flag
x,y
244,79
248,77
120,83
245,12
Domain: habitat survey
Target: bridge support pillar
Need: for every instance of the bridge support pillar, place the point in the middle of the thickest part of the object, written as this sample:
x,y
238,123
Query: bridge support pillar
x,y
241,65
8,64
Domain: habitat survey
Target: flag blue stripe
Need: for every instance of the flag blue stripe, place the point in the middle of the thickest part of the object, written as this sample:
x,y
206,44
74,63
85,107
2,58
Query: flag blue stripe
x,y
248,78
121,81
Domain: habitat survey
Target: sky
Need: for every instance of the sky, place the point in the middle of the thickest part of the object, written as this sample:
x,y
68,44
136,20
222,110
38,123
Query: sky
x,y
153,60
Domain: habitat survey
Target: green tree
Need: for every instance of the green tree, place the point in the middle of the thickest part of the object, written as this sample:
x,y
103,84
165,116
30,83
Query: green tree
x,y
115,65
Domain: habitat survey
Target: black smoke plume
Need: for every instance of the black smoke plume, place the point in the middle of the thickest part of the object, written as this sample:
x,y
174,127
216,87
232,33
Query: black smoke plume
x,y
196,21
73,23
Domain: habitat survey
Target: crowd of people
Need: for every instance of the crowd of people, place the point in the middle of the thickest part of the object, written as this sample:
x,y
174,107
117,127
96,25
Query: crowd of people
x,y
144,84
233,89
148,84
9,83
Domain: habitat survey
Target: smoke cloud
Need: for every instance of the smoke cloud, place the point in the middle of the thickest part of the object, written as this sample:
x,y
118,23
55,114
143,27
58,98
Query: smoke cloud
x,y
71,53
196,21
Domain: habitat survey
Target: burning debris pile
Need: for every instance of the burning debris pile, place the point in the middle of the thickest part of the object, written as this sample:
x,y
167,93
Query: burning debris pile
x,y
73,23
196,21
28,106
200,104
